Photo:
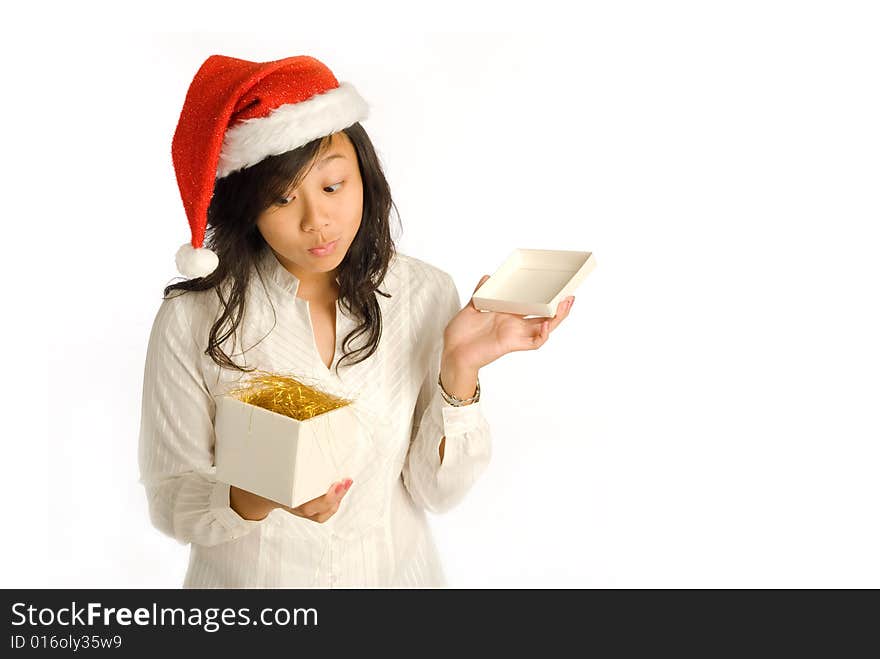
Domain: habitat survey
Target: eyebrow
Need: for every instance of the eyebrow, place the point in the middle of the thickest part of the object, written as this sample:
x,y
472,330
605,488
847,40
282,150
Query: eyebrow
x,y
324,161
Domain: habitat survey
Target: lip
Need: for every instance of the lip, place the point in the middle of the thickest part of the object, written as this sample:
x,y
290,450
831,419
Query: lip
x,y
325,249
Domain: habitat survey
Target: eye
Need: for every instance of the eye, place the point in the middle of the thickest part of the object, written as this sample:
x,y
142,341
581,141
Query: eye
x,y
285,201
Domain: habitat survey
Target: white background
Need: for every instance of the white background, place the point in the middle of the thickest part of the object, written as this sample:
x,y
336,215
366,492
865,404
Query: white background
x,y
706,417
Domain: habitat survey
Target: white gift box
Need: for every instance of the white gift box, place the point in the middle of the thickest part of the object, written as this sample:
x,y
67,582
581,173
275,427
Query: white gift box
x,y
279,457
532,282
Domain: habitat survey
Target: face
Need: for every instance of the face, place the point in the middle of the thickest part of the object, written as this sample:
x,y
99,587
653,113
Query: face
x,y
326,206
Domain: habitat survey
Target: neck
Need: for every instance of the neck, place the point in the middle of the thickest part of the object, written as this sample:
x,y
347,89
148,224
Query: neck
x,y
313,286
318,291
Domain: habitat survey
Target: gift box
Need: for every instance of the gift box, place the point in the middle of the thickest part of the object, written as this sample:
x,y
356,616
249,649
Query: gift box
x,y
279,457
532,282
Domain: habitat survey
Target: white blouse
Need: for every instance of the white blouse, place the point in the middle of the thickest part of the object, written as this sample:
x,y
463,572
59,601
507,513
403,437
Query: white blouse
x,y
380,536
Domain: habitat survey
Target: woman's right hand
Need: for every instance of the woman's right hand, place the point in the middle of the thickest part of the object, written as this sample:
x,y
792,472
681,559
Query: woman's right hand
x,y
254,507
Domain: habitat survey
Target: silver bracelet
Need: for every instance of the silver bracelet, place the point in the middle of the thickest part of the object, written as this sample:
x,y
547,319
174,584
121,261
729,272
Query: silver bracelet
x,y
458,402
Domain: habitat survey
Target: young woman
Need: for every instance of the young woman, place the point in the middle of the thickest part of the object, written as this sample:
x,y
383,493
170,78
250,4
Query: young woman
x,y
301,275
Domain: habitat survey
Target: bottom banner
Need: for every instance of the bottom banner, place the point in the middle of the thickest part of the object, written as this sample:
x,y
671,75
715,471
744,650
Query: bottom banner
x,y
236,621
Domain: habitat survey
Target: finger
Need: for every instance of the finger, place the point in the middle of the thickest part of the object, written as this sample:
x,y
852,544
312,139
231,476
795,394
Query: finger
x,y
324,516
540,337
326,501
534,325
482,281
321,504
484,278
562,311
339,491
542,327
534,336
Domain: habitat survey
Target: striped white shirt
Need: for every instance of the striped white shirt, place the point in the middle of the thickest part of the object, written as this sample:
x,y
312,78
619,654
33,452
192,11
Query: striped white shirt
x,y
380,536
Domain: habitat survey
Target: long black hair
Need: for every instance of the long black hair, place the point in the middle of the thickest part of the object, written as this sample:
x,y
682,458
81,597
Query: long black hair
x,y
232,234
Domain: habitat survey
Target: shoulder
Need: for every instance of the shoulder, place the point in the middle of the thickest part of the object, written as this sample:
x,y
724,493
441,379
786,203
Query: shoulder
x,y
420,276
184,313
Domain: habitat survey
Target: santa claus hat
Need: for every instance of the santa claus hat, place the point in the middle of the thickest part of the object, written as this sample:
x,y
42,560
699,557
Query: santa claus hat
x,y
237,113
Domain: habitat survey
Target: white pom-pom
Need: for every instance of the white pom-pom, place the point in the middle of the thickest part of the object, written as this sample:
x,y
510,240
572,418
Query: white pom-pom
x,y
195,262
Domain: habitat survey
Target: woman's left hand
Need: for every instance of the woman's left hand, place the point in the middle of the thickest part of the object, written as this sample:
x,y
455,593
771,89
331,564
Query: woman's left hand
x,y
477,338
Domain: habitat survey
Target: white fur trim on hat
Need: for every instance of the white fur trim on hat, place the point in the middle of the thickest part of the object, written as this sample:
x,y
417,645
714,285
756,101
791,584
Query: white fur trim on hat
x,y
290,126
195,262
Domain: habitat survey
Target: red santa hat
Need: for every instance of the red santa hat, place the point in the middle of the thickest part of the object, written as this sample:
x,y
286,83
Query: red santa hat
x,y
237,113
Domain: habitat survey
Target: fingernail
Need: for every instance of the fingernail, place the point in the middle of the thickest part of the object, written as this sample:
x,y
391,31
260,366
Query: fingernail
x,y
340,488
348,483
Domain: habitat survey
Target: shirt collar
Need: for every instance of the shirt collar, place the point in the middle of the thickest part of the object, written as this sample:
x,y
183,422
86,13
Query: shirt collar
x,y
273,270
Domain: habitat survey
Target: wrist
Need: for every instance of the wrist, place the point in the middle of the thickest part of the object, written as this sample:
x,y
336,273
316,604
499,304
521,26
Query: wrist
x,y
248,505
458,379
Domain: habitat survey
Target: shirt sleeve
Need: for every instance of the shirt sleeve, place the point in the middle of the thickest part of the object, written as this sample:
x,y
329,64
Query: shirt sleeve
x,y
176,442
435,486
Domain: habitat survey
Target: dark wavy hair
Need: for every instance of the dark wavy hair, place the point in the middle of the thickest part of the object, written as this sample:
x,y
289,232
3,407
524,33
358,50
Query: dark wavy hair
x,y
232,234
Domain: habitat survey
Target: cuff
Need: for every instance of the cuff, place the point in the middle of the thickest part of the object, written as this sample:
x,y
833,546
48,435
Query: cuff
x,y
461,419
230,519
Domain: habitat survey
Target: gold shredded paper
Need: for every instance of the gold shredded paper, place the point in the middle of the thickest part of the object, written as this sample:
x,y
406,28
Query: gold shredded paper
x,y
286,395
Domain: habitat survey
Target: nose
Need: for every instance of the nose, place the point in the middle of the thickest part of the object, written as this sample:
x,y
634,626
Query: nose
x,y
315,216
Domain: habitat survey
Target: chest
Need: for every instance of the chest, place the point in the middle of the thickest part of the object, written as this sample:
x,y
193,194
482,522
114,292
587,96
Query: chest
x,y
323,319
303,337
